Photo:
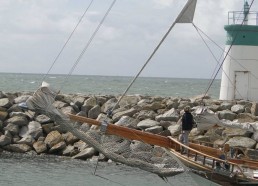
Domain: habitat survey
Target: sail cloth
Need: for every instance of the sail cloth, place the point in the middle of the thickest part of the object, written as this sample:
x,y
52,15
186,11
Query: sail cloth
x,y
187,13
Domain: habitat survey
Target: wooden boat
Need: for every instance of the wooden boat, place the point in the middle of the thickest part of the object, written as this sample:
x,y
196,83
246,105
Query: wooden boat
x,y
201,159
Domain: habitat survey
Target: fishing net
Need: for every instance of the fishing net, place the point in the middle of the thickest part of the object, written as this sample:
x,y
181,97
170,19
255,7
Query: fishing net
x,y
133,153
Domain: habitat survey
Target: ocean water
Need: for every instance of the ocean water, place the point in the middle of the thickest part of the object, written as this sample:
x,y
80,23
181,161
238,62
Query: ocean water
x,y
110,85
28,170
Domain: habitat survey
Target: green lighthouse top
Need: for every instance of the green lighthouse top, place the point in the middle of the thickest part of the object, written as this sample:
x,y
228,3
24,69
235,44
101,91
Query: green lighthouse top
x,y
242,28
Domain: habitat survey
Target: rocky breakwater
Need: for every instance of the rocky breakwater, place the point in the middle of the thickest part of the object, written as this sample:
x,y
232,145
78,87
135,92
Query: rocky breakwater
x,y
26,131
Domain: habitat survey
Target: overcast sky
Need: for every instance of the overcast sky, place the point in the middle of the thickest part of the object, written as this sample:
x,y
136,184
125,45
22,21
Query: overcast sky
x,y
33,32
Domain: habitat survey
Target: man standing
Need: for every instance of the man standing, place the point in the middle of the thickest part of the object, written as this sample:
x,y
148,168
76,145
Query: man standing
x,y
187,125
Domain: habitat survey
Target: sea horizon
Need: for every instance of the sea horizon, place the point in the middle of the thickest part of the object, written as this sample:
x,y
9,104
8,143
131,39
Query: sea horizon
x,y
110,85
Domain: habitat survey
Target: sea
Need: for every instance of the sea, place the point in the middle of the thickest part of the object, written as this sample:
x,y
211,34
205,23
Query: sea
x,y
35,170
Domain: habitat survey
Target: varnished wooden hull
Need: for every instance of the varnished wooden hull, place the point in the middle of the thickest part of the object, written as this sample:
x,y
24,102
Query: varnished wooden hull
x,y
200,167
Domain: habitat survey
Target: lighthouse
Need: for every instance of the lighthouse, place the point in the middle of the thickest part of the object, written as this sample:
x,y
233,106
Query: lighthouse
x,y
240,68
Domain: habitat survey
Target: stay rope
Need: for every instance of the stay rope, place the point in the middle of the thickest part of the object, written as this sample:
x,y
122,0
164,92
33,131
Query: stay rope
x,y
68,39
88,43
227,53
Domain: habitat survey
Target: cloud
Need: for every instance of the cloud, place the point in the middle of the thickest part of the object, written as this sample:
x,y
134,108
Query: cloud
x,y
35,31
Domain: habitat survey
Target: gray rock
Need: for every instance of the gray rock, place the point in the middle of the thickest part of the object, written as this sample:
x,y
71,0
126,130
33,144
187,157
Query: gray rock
x,y
20,148
18,120
171,115
166,124
68,110
94,112
53,138
226,106
255,136
57,147
69,151
14,129
43,119
128,121
175,129
238,108
60,104
21,98
226,114
129,100
5,102
155,129
239,141
3,115
172,104
254,109
70,138
109,105
47,128
147,124
85,154
88,104
28,140
232,132
80,145
79,101
40,147
5,140
118,115
146,114
21,114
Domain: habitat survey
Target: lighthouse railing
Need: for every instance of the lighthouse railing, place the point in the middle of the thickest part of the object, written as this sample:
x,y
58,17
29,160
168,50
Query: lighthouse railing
x,y
238,17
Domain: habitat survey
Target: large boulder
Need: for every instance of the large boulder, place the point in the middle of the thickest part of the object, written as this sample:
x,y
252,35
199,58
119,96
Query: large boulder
x,y
127,121
243,142
227,114
144,124
171,115
20,148
53,138
238,108
129,100
129,112
5,102
18,120
94,112
232,132
40,147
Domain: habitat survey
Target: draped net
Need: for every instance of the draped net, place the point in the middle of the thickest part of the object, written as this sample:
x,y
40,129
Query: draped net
x,y
144,156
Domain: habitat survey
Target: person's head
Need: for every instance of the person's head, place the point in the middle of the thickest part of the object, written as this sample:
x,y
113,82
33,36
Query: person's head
x,y
187,109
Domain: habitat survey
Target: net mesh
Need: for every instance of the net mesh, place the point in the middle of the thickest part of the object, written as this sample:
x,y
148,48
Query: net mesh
x,y
130,152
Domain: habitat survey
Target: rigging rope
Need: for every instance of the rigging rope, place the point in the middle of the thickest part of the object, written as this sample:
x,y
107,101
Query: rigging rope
x,y
70,36
88,43
218,63
147,61
227,53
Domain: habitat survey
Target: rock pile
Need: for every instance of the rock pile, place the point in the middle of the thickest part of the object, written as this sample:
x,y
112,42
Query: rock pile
x,y
25,131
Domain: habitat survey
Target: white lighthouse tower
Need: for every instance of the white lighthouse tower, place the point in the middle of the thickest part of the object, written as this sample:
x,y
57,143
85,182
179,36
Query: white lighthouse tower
x,y
240,68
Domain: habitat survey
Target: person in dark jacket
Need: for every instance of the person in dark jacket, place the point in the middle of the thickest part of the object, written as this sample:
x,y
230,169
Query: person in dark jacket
x,y
187,125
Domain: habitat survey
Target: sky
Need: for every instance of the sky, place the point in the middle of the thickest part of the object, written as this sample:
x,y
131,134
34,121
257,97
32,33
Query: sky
x,y
34,31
